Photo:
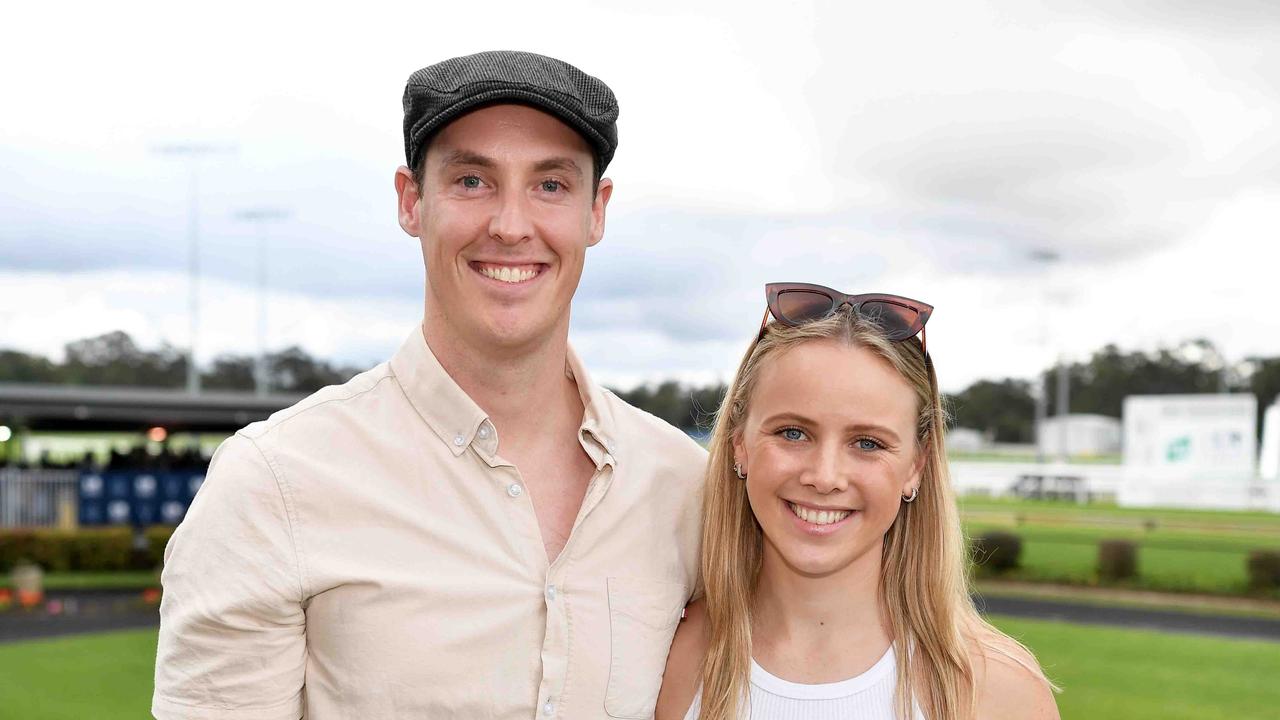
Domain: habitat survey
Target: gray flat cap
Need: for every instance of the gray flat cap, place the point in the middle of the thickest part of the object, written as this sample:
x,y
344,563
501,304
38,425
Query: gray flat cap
x,y
436,95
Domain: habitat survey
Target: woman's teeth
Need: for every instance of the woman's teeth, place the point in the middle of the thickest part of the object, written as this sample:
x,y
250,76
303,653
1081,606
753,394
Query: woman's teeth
x,y
507,274
818,517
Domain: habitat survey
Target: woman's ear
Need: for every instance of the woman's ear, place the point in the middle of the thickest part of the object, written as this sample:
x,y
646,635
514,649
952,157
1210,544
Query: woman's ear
x,y
917,469
739,453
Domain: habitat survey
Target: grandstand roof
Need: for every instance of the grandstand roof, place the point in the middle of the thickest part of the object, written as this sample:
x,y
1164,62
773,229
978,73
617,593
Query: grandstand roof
x,y
81,407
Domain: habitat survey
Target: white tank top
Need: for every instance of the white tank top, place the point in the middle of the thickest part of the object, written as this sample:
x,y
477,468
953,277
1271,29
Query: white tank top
x,y
868,696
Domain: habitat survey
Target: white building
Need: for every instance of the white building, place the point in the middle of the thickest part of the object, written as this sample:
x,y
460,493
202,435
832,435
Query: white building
x,y
1079,435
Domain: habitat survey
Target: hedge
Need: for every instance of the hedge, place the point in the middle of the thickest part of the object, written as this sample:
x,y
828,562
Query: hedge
x,y
90,550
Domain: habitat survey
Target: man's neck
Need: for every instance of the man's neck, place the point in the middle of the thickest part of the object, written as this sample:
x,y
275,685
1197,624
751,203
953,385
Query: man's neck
x,y
507,382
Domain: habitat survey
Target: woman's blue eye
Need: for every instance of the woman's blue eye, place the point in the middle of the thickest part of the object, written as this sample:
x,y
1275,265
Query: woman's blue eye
x,y
868,444
793,434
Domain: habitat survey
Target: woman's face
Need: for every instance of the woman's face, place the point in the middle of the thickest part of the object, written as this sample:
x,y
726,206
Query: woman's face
x,y
829,449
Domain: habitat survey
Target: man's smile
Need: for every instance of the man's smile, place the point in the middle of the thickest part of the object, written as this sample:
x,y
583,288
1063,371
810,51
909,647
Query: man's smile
x,y
511,274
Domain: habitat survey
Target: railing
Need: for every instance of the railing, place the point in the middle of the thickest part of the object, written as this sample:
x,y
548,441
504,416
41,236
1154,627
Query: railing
x,y
39,498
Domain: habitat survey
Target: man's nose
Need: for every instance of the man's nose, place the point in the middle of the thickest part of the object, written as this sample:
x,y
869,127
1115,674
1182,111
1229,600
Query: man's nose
x,y
511,222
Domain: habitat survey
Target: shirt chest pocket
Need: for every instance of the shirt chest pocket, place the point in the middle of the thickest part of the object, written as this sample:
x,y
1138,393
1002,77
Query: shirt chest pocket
x,y
642,620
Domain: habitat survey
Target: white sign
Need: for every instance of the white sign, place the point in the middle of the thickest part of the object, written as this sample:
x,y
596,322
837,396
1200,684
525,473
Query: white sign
x,y
1191,436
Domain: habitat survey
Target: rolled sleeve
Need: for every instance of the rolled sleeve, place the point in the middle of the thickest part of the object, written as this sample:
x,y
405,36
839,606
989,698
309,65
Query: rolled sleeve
x,y
232,627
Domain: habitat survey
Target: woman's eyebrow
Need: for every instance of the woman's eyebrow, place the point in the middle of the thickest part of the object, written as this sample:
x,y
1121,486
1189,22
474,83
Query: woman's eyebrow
x,y
867,427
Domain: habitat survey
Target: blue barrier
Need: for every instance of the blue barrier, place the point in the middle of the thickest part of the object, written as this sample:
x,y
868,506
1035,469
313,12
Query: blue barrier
x,y
137,498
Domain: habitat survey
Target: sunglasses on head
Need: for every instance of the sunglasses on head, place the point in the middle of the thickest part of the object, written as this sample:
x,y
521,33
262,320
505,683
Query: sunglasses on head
x,y
795,304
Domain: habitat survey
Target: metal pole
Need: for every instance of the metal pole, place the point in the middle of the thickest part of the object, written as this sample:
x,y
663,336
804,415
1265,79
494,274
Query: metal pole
x,y
193,281
261,380
1042,412
1064,381
1045,257
259,217
192,152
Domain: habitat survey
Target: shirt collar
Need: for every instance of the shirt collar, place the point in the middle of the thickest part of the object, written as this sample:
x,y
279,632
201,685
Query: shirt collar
x,y
598,432
459,422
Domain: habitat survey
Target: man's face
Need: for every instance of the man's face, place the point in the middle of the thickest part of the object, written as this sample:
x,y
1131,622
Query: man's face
x,y
505,214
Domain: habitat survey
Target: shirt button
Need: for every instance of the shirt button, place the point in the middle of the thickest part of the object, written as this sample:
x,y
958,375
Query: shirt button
x,y
484,431
548,708
611,446
551,592
458,440
514,490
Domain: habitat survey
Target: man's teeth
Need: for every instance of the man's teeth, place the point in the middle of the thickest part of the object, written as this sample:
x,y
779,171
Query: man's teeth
x,y
818,517
507,274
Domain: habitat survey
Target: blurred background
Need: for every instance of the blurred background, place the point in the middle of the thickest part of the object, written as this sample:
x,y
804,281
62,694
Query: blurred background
x,y
197,228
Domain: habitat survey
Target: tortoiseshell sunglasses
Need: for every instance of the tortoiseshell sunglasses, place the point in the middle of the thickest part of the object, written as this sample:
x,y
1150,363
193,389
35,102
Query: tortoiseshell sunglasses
x,y
797,303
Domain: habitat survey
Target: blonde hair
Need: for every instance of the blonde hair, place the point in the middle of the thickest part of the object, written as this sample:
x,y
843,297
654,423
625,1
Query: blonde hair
x,y
924,583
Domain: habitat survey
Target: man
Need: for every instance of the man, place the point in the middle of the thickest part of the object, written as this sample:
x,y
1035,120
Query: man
x,y
474,529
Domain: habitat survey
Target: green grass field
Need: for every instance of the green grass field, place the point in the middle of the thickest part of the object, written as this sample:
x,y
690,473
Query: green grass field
x,y
1178,550
1137,674
1104,672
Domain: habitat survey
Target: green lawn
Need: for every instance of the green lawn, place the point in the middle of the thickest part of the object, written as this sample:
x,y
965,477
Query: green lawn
x,y
1178,550
104,677
1137,674
1105,673
126,580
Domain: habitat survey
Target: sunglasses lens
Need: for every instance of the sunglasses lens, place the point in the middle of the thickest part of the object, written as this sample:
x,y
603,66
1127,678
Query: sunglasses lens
x,y
797,306
899,322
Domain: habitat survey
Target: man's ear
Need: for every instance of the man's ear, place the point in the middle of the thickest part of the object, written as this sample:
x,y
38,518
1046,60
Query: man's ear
x,y
598,206
409,209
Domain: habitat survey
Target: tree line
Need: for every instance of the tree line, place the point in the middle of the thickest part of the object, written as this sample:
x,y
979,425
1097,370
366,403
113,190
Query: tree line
x,y
1004,409
115,359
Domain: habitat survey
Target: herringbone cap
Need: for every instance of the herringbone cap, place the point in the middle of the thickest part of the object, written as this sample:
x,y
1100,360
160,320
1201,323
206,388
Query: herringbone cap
x,y
438,94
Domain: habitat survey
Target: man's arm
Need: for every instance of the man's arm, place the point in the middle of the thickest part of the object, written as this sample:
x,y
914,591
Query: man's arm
x,y
232,629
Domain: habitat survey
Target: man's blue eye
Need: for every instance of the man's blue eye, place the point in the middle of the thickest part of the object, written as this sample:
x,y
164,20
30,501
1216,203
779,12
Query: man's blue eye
x,y
550,185
471,182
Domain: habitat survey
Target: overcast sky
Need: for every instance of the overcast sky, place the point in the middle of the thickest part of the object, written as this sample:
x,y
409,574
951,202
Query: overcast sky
x,y
926,149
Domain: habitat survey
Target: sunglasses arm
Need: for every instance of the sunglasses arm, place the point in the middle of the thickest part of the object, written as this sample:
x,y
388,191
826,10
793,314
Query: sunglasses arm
x,y
763,321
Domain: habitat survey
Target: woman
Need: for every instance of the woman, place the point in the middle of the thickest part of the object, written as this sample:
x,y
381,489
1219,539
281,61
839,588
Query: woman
x,y
832,554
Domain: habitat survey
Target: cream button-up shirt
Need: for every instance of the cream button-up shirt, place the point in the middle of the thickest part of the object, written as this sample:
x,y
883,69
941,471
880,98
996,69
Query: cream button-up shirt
x,y
368,553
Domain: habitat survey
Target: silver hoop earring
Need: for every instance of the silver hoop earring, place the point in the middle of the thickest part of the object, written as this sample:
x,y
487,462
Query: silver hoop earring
x,y
914,491
737,470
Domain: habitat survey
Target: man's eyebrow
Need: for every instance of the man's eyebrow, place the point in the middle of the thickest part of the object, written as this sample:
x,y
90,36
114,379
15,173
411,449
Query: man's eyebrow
x,y
466,157
563,164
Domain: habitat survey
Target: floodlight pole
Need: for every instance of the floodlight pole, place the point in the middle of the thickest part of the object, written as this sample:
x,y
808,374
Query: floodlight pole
x,y
259,217
1046,258
192,152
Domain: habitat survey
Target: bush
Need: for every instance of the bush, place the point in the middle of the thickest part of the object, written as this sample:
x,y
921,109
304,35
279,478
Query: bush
x,y
157,538
16,546
86,550
1117,560
1264,570
997,551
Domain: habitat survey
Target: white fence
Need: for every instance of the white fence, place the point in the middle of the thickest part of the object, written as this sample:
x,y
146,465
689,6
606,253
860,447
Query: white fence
x,y
39,498
1079,482
1125,486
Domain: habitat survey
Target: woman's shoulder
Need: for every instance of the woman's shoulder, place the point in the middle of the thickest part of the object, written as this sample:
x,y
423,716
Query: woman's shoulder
x,y
1009,683
681,679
